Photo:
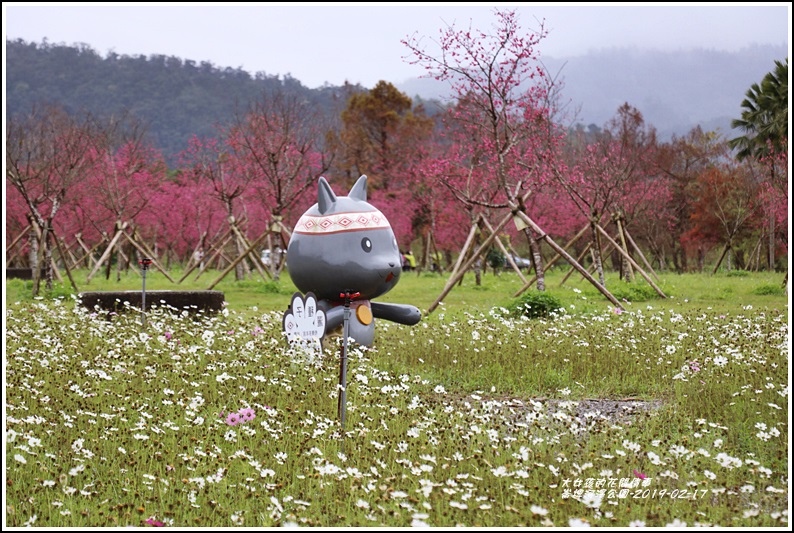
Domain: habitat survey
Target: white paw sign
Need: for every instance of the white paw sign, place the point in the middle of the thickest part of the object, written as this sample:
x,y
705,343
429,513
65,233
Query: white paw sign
x,y
303,323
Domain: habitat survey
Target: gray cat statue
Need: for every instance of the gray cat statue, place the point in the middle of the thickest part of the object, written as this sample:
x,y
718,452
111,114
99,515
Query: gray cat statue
x,y
343,245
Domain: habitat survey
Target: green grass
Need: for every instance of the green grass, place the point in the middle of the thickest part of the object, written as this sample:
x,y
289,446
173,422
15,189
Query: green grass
x,y
719,292
471,417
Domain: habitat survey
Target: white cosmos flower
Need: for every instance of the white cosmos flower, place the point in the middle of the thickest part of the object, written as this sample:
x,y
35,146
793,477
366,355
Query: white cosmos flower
x,y
720,360
500,471
727,461
654,458
592,499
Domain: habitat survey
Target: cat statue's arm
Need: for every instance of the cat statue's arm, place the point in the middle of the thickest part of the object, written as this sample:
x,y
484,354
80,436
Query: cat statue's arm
x,y
399,313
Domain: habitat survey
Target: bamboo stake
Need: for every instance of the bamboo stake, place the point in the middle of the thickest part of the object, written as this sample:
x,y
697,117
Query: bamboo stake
x,y
234,263
627,256
504,251
452,280
15,241
65,264
553,260
567,256
144,251
469,239
263,271
639,252
578,259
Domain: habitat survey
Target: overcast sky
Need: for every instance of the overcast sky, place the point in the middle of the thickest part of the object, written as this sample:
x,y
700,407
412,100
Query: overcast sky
x,y
360,43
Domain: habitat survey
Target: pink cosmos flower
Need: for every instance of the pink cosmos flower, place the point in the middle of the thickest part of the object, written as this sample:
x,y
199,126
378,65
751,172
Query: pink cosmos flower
x,y
640,474
257,330
246,414
168,335
153,522
617,310
233,419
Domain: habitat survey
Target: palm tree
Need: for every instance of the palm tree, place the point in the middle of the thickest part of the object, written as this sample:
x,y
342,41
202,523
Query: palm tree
x,y
764,120
765,125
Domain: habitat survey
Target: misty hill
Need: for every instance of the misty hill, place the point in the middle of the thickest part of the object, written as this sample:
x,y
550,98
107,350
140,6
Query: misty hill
x,y
176,99
179,98
675,91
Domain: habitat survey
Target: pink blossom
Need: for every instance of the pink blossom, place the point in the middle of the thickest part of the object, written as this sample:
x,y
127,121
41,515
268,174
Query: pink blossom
x,y
640,474
233,419
246,414
153,522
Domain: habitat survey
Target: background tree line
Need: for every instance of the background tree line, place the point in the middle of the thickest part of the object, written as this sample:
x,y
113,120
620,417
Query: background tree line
x,y
249,166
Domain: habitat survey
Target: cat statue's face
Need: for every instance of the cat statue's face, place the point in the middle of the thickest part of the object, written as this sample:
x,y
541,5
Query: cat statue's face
x,y
343,243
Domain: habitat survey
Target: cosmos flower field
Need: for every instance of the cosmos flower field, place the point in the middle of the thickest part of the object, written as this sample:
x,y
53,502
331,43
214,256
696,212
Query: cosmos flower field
x,y
642,418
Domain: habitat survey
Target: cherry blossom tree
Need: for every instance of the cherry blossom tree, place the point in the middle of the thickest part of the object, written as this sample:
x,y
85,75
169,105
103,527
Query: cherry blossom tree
x,y
679,163
126,174
502,93
276,148
48,152
725,207
613,173
208,162
183,218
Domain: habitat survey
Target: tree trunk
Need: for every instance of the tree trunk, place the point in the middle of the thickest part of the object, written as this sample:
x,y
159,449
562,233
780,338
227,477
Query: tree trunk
x,y
725,251
595,250
771,256
625,266
47,258
537,260
33,257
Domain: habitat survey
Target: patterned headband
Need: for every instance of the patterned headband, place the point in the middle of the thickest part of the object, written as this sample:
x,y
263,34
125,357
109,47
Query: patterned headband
x,y
341,222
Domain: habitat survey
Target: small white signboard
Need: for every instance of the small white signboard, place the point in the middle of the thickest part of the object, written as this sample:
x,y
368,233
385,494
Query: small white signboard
x,y
304,323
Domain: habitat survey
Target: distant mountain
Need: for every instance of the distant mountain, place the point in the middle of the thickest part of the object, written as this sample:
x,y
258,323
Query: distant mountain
x,y
180,98
175,98
675,91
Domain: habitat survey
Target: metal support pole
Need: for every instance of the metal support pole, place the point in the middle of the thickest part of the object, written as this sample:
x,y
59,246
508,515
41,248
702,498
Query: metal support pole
x,y
347,296
145,262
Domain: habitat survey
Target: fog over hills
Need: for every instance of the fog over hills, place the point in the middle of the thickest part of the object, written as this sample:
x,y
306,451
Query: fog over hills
x,y
674,91
177,99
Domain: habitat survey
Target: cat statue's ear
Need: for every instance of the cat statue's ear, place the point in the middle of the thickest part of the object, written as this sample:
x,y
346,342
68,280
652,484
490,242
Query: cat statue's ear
x,y
325,196
359,190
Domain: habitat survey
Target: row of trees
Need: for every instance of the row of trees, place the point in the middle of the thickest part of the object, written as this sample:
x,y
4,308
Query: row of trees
x,y
501,150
